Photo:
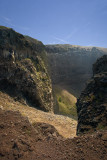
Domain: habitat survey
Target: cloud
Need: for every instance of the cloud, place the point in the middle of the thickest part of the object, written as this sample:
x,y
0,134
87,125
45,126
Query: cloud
x,y
8,21
76,30
72,33
60,40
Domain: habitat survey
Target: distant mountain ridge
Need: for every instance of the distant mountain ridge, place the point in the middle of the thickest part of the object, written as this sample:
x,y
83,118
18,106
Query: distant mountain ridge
x,y
71,65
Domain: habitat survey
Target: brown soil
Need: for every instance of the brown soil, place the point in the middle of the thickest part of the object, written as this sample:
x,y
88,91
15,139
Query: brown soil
x,y
19,140
65,126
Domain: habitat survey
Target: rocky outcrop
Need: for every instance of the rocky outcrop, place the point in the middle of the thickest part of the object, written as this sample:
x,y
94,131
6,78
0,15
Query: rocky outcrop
x,y
71,66
101,65
23,73
92,103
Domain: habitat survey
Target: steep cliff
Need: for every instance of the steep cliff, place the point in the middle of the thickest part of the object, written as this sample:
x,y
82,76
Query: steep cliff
x,y
71,66
23,73
92,103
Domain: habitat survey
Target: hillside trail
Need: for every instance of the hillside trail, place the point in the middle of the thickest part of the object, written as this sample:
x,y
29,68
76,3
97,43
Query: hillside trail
x,y
65,126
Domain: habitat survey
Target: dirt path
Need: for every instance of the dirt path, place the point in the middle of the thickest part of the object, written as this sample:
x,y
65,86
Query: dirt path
x,y
64,125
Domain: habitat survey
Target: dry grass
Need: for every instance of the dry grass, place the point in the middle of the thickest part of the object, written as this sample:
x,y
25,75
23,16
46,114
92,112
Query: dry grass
x,y
65,125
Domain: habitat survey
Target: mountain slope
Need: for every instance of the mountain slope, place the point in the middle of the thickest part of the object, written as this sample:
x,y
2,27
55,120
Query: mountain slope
x,y
66,102
65,126
92,103
23,73
25,82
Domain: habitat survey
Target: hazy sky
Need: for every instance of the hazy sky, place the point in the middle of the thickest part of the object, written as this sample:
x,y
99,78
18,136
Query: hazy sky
x,y
79,22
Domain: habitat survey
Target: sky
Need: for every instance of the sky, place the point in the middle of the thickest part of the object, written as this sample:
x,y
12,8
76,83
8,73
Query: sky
x,y
76,22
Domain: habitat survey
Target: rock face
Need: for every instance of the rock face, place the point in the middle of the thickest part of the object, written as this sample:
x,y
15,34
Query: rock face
x,y
23,73
71,65
92,103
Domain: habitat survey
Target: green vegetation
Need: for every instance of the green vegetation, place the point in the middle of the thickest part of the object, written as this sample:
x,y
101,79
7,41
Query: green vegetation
x,y
59,99
66,102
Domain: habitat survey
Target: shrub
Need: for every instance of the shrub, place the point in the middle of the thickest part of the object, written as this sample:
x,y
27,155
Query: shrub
x,y
60,99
